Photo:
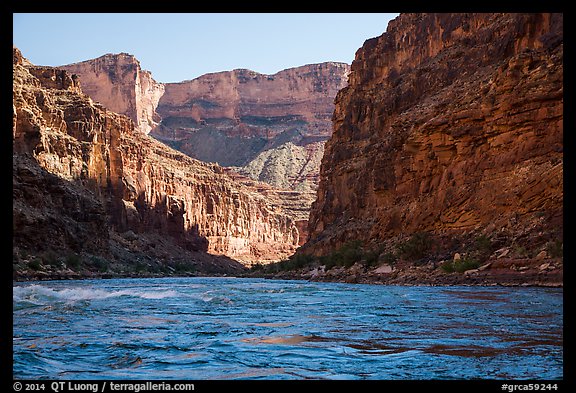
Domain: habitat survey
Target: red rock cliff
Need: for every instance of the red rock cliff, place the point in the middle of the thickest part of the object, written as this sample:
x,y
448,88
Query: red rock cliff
x,y
450,124
256,104
138,183
118,82
270,128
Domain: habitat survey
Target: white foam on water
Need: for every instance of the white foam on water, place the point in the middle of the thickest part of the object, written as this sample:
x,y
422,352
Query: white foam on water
x,y
36,293
157,294
209,297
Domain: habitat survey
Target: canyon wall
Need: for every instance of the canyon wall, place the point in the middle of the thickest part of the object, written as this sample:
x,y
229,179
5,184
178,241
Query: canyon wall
x,y
118,82
270,128
451,124
83,174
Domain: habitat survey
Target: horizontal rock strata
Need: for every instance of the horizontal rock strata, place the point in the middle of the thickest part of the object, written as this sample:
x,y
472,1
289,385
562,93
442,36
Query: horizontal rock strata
x,y
451,124
270,128
100,177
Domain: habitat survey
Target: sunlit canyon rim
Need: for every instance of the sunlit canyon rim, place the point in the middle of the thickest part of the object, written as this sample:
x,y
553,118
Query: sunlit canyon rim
x,y
90,187
445,155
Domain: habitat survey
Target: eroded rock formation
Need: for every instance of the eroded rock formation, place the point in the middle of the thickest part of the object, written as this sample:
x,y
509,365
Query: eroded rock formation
x,y
118,82
451,124
270,128
293,103
85,174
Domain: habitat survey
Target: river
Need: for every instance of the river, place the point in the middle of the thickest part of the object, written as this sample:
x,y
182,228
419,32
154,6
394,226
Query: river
x,y
240,328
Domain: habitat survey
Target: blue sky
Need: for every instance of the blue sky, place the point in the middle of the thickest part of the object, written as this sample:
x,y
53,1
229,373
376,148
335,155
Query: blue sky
x,y
177,47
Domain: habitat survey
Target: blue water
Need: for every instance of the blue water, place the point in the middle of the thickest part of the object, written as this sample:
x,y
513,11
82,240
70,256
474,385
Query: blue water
x,y
237,328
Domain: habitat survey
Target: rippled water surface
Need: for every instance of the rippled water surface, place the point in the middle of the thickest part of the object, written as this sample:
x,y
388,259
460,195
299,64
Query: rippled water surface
x,y
236,328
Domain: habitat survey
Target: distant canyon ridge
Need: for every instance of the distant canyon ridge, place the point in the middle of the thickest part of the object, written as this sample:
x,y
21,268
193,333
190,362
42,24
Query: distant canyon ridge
x,y
270,128
95,193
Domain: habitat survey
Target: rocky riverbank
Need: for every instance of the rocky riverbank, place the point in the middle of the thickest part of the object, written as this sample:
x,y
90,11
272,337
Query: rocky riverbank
x,y
505,272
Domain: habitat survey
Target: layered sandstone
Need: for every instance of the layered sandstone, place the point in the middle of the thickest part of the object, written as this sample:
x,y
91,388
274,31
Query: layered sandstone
x,y
111,179
118,82
451,124
235,118
270,128
246,103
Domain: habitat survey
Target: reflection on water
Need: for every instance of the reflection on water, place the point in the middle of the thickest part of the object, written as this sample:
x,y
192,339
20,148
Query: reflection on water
x,y
223,328
274,324
295,339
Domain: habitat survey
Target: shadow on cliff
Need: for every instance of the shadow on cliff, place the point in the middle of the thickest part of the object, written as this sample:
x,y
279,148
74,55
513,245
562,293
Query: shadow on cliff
x,y
62,227
165,216
53,213
159,230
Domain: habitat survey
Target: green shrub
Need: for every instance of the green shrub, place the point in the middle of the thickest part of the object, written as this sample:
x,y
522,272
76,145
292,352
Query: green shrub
x,y
100,264
466,264
73,261
555,249
296,261
257,267
24,254
348,254
460,266
327,261
448,267
371,258
35,264
484,245
417,247
521,251
351,252
284,265
180,267
389,258
301,260
50,258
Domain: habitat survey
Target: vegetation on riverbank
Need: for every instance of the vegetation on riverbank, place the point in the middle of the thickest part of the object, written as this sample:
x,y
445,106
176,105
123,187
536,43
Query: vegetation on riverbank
x,y
425,258
422,258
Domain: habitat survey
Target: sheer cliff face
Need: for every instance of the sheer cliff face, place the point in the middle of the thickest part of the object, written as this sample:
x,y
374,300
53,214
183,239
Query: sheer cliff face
x,y
450,123
270,128
118,83
249,104
120,179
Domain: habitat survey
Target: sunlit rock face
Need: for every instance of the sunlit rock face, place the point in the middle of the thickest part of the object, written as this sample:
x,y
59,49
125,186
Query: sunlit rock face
x,y
118,82
450,123
108,176
270,128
